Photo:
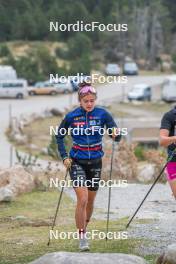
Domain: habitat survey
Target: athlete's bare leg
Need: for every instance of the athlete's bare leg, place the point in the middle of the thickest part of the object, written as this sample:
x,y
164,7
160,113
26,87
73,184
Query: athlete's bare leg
x,y
80,213
173,187
90,204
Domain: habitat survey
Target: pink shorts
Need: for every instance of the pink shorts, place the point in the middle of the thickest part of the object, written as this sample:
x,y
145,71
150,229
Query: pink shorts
x,y
171,171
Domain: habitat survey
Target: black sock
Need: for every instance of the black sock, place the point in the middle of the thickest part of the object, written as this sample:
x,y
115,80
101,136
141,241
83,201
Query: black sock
x,y
81,233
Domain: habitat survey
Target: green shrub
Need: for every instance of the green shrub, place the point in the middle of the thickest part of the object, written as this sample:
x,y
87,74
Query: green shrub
x,y
52,148
35,66
174,62
62,53
27,159
139,152
79,45
4,51
81,65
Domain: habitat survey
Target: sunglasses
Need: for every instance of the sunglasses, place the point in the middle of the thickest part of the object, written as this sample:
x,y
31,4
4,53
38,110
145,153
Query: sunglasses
x,y
87,89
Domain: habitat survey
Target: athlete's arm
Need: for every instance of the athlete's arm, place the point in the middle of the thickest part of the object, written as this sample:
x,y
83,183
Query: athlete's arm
x,y
166,125
165,140
60,137
110,123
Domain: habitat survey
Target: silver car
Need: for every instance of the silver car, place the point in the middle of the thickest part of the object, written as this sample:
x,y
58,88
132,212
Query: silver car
x,y
112,69
63,86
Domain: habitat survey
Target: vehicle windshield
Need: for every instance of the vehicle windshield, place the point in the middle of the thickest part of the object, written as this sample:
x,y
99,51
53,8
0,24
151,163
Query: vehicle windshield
x,y
170,84
137,89
112,66
130,66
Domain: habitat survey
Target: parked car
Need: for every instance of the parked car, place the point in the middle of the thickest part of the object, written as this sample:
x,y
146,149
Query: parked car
x,y
112,69
76,80
130,68
169,89
63,86
140,92
42,88
13,88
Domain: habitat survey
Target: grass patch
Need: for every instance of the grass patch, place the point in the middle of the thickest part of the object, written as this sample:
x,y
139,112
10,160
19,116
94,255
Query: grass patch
x,y
151,259
24,238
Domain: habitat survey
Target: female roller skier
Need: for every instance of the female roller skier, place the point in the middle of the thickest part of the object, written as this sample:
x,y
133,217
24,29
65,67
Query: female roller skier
x,y
85,158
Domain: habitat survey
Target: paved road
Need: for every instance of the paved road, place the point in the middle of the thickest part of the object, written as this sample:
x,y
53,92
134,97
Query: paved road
x,y
40,103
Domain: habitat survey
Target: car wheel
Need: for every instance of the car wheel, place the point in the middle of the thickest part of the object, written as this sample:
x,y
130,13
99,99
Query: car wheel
x,y
32,93
19,96
66,91
53,93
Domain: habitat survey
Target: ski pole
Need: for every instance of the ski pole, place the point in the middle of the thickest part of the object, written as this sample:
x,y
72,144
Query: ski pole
x,y
169,159
58,205
109,194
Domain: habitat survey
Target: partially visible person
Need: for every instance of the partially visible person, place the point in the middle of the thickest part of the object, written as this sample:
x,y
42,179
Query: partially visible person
x,y
168,140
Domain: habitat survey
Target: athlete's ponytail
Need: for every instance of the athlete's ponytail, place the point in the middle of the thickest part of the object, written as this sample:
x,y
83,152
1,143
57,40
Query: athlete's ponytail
x,y
84,83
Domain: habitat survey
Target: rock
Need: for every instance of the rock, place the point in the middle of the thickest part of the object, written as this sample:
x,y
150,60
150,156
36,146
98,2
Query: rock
x,y
166,66
19,217
88,258
146,173
121,168
44,151
169,256
32,147
56,112
16,180
6,195
47,113
20,139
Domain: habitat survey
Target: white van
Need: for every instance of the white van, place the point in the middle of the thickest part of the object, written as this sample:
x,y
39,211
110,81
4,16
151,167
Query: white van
x,y
7,72
169,89
13,88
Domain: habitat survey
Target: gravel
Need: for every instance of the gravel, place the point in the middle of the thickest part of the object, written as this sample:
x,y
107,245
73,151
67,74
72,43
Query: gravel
x,y
158,213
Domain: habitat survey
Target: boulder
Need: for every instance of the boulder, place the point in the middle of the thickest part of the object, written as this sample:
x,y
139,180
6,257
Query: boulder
x,y
44,151
166,66
32,147
6,195
47,113
56,112
20,139
88,258
14,181
169,256
146,173
121,169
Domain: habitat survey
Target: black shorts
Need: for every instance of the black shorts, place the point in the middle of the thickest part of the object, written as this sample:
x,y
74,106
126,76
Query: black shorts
x,y
86,173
